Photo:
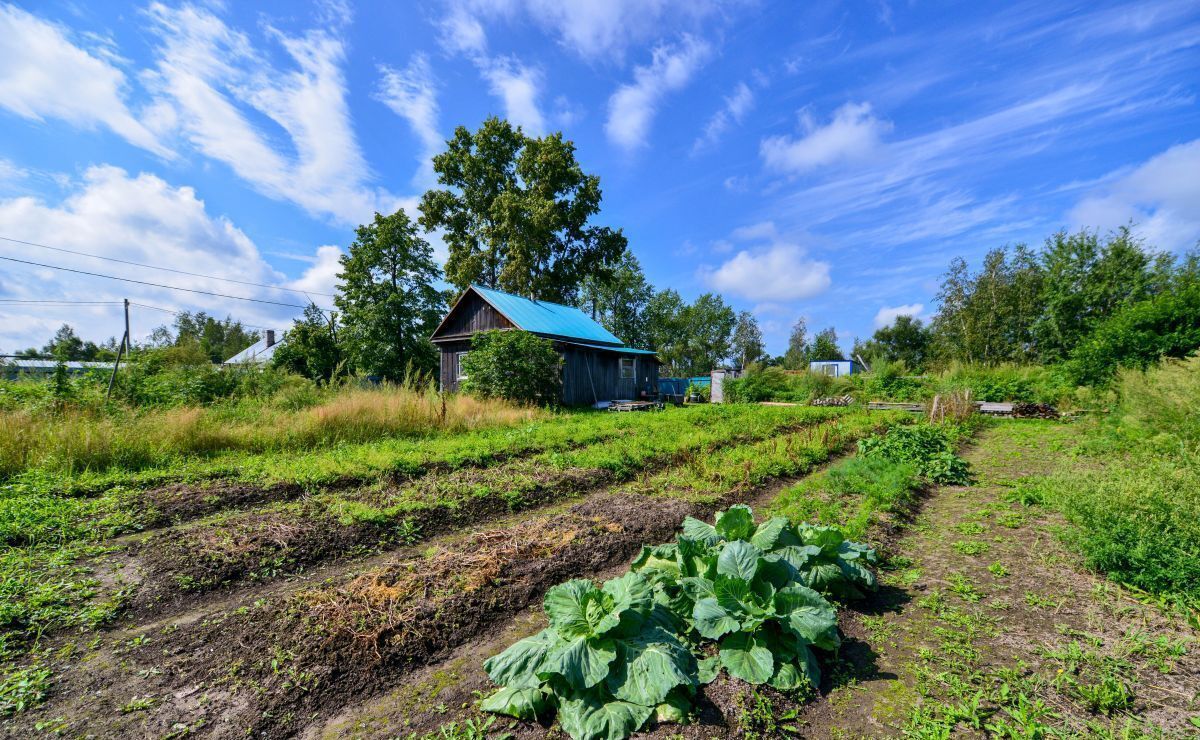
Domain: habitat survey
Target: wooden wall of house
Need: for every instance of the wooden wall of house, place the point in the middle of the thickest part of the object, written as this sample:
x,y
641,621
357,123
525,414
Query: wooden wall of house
x,y
590,376
472,314
447,375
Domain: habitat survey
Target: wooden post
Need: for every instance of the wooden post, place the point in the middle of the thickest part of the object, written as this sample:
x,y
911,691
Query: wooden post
x,y
123,348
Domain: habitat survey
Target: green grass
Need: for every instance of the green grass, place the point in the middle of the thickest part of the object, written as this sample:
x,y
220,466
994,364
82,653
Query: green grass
x,y
851,494
1134,501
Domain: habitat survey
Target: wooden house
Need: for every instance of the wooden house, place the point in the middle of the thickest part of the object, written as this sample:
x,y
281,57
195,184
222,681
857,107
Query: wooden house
x,y
597,366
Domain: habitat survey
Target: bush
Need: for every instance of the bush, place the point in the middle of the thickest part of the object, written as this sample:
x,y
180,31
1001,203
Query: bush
x,y
513,365
1138,335
777,384
929,447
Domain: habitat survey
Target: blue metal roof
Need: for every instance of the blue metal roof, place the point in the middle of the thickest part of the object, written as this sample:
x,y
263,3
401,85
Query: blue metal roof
x,y
609,348
543,317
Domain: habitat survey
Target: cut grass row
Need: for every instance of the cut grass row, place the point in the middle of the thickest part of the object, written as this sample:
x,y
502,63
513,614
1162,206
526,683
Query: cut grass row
x,y
287,537
44,587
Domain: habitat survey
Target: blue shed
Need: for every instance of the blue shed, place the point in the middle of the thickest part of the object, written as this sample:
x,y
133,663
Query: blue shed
x,y
834,368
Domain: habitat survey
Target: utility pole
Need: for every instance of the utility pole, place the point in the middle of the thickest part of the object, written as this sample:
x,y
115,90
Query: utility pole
x,y
123,348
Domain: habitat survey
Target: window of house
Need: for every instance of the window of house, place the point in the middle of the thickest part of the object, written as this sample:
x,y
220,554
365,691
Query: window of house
x,y
627,368
830,369
459,373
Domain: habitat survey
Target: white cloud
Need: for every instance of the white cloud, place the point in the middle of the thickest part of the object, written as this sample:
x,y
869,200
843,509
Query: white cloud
x,y
852,134
518,87
412,95
632,108
43,75
139,218
591,29
1161,195
888,314
735,109
779,272
761,231
321,275
207,69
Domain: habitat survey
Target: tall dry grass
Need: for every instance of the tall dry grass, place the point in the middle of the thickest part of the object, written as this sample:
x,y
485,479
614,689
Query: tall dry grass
x,y
72,440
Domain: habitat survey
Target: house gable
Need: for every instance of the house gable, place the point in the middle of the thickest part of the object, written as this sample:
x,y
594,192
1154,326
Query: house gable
x,y
470,314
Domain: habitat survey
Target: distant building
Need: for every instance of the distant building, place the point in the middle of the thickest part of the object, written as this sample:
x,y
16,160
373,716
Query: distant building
x,y
597,366
835,368
15,368
259,353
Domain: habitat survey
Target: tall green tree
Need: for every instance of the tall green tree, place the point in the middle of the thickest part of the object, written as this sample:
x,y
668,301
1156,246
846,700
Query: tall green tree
x,y
217,339
515,213
796,356
905,340
310,347
1086,280
665,330
389,305
618,298
690,338
825,346
748,340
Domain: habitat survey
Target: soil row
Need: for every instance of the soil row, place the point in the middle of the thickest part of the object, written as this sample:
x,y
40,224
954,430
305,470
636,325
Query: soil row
x,y
272,666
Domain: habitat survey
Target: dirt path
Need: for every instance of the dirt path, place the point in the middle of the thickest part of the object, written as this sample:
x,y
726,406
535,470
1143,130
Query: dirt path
x,y
986,626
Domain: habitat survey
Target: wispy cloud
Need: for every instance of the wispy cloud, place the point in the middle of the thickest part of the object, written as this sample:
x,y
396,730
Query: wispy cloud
x,y
412,94
735,108
632,108
519,87
206,69
44,75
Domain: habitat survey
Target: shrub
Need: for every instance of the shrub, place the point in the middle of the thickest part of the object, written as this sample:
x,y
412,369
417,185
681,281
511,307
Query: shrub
x,y
929,447
514,365
777,384
728,596
1138,335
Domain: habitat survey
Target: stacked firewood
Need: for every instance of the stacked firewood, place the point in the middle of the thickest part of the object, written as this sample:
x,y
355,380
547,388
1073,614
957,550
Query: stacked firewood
x,y
832,401
1034,411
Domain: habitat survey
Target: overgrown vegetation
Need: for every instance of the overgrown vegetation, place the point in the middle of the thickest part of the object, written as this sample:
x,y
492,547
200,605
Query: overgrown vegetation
x,y
729,596
1135,512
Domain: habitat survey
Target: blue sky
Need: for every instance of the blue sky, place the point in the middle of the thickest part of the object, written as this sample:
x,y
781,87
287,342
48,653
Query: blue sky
x,y
819,160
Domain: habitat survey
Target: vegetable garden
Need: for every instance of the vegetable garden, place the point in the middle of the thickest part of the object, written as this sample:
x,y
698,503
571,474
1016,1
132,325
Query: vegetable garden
x,y
705,571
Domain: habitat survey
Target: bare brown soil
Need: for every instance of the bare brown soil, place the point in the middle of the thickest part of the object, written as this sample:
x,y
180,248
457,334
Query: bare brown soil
x,y
270,660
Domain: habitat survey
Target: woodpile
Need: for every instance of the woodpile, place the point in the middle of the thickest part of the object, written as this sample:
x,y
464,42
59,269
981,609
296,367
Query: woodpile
x,y
1034,411
832,401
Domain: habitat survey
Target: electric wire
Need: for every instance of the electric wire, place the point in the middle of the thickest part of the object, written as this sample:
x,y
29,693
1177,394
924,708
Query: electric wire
x,y
164,269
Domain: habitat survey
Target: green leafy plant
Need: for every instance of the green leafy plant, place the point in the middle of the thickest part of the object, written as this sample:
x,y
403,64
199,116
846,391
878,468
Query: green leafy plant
x,y
607,662
929,447
731,596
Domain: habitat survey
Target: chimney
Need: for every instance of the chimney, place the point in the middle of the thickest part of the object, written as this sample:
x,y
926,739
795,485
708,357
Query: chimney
x,y
270,337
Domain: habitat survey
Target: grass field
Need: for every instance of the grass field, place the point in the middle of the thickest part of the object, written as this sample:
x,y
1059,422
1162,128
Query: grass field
x,y
356,587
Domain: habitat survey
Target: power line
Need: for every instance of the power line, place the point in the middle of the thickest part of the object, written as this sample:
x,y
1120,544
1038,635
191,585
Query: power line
x,y
62,302
180,313
157,285
165,269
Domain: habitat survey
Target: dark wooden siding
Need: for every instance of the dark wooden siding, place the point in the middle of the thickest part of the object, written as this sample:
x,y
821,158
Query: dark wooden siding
x,y
472,314
590,376
447,375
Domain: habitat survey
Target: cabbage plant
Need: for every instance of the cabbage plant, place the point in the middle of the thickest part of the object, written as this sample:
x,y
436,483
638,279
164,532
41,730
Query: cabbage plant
x,y
731,596
607,662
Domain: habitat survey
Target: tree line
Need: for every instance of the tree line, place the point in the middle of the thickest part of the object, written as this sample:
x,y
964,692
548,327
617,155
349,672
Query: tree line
x,y
1086,301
